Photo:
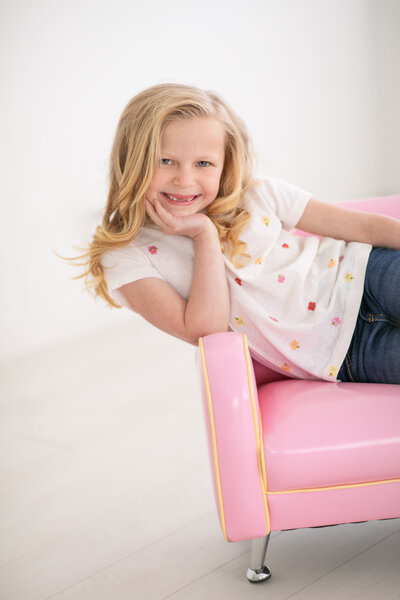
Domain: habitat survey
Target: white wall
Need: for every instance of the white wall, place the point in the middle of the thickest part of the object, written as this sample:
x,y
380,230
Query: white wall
x,y
317,82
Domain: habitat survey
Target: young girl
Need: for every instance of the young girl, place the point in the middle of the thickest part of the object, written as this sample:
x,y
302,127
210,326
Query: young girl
x,y
196,244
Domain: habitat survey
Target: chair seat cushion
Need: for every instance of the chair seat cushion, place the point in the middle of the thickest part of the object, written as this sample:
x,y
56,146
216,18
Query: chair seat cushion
x,y
318,434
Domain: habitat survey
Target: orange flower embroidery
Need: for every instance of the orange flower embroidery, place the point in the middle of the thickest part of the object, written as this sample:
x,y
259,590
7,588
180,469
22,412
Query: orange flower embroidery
x,y
294,344
285,367
332,263
258,260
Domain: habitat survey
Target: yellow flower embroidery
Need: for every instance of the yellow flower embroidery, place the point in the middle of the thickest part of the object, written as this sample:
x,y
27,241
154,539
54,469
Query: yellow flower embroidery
x,y
294,344
258,260
266,221
332,371
285,367
332,263
239,321
348,276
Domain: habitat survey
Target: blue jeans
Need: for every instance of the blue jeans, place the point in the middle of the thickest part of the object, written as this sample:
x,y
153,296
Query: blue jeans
x,y
374,352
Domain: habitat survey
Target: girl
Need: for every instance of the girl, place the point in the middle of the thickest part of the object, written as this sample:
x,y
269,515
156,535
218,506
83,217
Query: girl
x,y
194,243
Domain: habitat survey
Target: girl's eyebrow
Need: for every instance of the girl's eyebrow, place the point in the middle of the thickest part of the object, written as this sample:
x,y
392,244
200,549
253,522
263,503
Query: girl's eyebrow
x,y
211,157
200,157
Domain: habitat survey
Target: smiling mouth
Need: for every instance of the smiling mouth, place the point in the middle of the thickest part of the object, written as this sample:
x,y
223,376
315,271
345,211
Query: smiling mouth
x,y
179,198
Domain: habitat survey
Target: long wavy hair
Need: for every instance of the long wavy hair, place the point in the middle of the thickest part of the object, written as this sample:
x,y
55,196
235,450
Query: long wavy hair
x,y
134,158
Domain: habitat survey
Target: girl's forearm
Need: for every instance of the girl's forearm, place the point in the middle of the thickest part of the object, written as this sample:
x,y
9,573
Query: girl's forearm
x,y
208,308
384,231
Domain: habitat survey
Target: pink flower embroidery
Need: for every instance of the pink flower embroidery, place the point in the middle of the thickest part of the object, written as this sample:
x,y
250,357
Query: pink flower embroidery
x,y
152,249
285,246
274,319
341,258
281,278
238,280
311,306
336,321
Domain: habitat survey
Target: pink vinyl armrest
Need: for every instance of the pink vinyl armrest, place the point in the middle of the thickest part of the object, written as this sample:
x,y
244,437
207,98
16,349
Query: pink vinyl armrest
x,y
235,440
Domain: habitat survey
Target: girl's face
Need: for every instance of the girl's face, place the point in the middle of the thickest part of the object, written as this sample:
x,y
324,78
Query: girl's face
x,y
192,158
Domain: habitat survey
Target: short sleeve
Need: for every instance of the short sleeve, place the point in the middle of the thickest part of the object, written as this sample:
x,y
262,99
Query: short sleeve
x,y
125,265
286,200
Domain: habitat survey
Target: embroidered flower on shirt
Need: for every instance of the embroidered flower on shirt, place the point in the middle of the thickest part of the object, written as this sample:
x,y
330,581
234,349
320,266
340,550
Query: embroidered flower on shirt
x,y
332,371
281,278
258,260
152,249
341,258
266,221
256,182
239,321
294,344
285,246
274,319
311,306
286,367
335,321
348,276
238,280
332,263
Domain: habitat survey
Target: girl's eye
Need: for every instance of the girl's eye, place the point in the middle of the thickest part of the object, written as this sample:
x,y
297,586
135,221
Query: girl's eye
x,y
202,163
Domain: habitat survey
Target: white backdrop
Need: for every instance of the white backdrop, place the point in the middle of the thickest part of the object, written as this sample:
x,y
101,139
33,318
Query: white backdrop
x,y
317,82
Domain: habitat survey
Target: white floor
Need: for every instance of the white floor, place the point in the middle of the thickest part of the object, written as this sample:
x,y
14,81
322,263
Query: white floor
x,y
106,490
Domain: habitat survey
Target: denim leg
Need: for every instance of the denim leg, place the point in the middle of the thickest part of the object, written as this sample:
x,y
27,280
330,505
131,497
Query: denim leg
x,y
374,353
382,283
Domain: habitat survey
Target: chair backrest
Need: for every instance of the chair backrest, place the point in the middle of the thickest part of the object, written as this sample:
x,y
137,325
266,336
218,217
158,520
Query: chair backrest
x,y
265,374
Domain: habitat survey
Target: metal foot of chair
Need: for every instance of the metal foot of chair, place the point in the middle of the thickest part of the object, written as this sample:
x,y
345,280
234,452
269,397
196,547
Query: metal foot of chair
x,y
258,571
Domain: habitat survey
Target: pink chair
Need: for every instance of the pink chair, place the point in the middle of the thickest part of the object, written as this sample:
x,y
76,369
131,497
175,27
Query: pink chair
x,y
286,453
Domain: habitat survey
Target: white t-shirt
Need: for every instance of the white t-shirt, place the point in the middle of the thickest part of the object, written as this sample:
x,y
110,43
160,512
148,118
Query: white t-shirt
x,y
297,299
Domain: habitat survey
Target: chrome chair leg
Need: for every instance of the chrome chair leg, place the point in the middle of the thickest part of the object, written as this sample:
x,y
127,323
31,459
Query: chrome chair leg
x,y
258,571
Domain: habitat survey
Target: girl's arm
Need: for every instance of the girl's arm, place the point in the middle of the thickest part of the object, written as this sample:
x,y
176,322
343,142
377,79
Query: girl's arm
x,y
207,308
342,223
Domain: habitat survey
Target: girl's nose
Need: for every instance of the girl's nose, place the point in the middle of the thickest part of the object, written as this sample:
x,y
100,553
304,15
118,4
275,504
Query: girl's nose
x,y
183,178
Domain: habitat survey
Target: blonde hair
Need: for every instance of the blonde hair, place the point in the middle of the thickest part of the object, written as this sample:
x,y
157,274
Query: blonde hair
x,y
134,158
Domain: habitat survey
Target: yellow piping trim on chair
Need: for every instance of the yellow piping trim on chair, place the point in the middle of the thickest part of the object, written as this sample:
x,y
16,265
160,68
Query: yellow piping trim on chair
x,y
334,487
259,437
214,439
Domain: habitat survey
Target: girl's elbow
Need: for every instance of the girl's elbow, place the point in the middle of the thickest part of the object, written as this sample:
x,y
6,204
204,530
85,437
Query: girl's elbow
x,y
203,332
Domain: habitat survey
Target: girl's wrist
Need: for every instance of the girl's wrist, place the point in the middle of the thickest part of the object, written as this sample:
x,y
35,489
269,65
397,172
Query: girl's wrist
x,y
206,231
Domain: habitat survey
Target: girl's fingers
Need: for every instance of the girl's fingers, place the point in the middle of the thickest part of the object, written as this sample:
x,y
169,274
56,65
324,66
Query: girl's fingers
x,y
153,212
162,213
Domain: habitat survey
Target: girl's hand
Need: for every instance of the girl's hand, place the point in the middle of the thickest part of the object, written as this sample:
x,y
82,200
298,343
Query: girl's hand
x,y
190,226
